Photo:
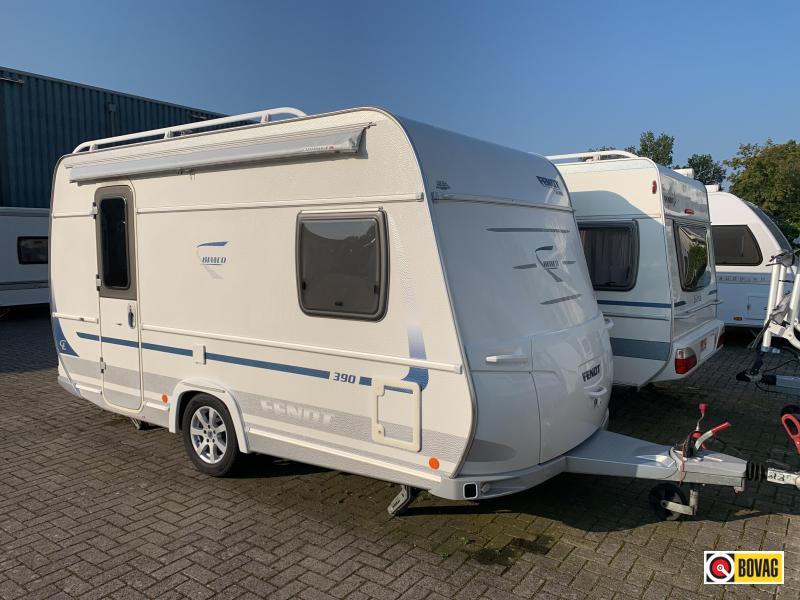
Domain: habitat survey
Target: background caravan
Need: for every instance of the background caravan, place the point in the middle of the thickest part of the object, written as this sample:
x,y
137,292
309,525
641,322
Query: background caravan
x,y
351,290
23,256
745,240
645,231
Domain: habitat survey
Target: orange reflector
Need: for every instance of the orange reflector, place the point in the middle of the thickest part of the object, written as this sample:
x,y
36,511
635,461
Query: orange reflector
x,y
164,398
433,462
655,186
737,318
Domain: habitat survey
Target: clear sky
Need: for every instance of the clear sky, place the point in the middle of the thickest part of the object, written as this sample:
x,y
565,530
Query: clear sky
x,y
548,77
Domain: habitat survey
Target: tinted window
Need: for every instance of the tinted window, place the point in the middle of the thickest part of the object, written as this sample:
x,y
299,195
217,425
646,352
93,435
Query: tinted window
x,y
114,242
611,252
735,245
342,266
692,247
32,250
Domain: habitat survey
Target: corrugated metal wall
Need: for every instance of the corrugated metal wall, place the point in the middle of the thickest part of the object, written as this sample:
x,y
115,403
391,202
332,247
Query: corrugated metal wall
x,y
41,119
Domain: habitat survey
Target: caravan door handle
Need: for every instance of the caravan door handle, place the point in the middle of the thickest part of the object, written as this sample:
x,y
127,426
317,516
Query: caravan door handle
x,y
506,358
131,317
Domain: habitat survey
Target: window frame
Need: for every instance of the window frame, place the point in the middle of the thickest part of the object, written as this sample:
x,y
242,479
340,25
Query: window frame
x,y
752,236
379,216
676,225
633,227
19,249
126,194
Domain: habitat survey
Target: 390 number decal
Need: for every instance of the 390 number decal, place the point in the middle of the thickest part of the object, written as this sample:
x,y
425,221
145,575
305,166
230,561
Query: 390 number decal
x,y
344,377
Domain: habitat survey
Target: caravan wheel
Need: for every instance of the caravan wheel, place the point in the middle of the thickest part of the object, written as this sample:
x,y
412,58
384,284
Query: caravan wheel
x,y
209,436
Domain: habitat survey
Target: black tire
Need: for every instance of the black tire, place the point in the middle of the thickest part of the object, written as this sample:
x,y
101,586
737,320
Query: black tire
x,y
670,492
201,405
791,409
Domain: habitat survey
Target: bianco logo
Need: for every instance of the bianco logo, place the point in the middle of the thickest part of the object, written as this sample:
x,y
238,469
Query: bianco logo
x,y
213,256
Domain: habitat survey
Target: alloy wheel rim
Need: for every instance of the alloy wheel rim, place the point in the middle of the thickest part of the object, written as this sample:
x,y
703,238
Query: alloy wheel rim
x,y
209,435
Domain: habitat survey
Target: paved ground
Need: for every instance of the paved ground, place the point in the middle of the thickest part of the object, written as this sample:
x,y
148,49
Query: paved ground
x,y
90,507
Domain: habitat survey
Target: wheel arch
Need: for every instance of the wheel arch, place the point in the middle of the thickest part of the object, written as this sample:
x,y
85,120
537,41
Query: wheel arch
x,y
187,389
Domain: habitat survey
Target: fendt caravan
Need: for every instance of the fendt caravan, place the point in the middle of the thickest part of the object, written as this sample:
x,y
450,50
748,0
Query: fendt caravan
x,y
23,256
745,240
350,290
645,232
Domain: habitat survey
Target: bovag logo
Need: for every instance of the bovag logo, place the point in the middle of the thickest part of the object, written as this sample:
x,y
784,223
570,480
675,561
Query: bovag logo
x,y
732,568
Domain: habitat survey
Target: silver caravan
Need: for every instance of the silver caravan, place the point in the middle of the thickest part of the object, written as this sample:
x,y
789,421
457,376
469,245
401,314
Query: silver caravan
x,y
352,290
745,241
645,232
23,256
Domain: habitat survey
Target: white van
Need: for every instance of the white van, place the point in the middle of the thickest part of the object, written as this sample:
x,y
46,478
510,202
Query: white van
x,y
23,256
645,232
350,290
745,240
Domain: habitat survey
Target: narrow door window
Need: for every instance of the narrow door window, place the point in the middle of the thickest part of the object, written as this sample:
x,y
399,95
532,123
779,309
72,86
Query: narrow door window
x,y
115,264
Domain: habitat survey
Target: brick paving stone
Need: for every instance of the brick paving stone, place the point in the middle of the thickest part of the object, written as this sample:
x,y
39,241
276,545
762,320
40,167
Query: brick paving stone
x,y
99,510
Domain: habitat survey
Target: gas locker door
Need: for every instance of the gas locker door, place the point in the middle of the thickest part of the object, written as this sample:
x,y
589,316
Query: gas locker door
x,y
119,314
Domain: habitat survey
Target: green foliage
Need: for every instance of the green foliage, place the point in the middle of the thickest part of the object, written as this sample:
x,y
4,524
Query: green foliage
x,y
706,169
769,175
658,149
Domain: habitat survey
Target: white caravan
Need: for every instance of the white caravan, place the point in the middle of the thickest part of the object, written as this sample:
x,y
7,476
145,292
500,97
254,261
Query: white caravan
x,y
745,240
23,256
351,290
645,232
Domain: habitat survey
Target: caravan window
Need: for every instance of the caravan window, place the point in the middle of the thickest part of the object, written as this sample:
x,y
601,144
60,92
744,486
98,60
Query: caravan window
x,y
735,245
692,247
32,250
612,254
112,215
341,265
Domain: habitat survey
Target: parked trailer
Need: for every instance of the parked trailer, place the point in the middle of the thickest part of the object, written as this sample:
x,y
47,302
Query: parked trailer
x,y
745,241
23,256
645,232
352,290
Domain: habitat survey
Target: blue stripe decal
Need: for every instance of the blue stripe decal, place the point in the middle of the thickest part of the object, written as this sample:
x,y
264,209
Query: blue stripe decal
x,y
680,303
261,364
626,303
166,349
712,292
415,374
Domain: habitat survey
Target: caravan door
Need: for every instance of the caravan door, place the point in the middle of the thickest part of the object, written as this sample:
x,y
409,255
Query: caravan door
x,y
119,323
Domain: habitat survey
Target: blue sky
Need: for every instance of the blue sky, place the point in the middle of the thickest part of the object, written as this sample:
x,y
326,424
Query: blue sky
x,y
546,77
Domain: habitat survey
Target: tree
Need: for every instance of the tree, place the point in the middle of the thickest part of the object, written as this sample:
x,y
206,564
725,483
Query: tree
x,y
769,176
658,149
706,169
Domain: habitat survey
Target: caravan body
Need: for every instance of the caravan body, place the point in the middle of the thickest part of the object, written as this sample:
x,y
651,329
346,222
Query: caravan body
x,y
645,231
354,290
745,240
23,256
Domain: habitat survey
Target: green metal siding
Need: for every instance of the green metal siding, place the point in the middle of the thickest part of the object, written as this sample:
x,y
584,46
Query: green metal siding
x,y
41,119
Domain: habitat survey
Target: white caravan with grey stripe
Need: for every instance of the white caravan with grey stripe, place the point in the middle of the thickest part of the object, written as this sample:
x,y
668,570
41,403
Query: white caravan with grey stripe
x,y
645,231
23,256
352,290
745,242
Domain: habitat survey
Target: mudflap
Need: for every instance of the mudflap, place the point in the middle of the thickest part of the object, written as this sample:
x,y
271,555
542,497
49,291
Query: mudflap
x,y
607,453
